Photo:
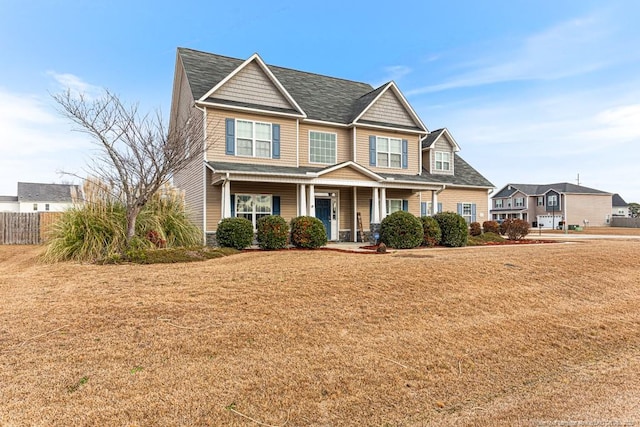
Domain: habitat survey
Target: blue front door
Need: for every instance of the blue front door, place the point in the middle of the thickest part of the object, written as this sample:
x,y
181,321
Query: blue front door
x,y
323,213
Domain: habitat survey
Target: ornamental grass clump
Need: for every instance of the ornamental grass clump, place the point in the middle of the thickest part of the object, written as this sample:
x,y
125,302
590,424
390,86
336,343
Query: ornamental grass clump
x,y
273,232
401,230
308,232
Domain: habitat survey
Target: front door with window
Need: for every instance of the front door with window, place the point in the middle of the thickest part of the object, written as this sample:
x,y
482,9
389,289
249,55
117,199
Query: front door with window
x,y
323,213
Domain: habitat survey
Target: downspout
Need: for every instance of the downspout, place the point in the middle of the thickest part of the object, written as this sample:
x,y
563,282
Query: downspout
x,y
204,174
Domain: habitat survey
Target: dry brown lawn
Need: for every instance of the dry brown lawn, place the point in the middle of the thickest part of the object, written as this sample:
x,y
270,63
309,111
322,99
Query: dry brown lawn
x,y
532,335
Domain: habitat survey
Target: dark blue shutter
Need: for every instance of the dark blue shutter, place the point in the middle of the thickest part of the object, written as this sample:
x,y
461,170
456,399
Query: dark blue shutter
x,y
372,150
439,207
233,205
275,201
405,205
230,125
473,212
275,140
423,208
459,208
405,152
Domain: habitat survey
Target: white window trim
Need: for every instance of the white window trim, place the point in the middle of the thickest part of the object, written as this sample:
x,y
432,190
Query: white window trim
x,y
335,159
435,161
388,205
253,139
515,202
470,205
501,203
555,198
388,152
254,214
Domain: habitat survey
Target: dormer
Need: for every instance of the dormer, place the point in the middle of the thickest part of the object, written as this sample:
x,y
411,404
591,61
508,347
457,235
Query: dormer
x,y
438,151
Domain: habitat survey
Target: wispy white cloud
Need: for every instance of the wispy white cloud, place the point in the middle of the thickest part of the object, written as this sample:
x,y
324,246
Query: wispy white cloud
x,y
571,48
393,72
75,84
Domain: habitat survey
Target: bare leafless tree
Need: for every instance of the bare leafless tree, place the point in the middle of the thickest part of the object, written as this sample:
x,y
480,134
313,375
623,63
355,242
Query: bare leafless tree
x,y
136,154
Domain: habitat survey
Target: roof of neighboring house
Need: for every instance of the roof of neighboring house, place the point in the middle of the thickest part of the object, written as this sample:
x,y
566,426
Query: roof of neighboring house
x,y
465,175
540,189
617,200
37,192
8,198
321,97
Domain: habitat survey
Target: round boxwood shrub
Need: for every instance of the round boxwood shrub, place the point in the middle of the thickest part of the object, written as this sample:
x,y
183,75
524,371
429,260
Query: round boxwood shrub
x,y
273,232
235,233
431,230
308,232
401,230
474,229
454,229
491,227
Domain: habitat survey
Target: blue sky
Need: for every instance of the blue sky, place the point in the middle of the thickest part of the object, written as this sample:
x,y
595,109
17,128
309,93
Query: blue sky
x,y
533,92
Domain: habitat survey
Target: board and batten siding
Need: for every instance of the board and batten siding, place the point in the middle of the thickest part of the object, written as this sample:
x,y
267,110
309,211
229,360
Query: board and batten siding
x,y
450,197
216,138
389,109
251,85
344,143
287,193
413,150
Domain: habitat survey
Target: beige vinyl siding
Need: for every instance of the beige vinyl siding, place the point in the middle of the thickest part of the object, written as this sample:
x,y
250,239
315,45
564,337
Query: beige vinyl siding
x,y
345,214
364,197
412,198
346,173
593,207
287,193
251,85
450,198
216,138
413,150
344,143
389,109
190,179
443,145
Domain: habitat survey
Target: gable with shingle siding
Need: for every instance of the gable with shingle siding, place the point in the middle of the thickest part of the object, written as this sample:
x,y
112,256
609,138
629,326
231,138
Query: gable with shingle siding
x,y
389,109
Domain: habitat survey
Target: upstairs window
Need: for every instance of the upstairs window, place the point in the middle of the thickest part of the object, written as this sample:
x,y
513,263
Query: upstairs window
x,y
552,200
322,147
253,139
443,161
540,201
389,152
519,202
35,206
498,203
46,206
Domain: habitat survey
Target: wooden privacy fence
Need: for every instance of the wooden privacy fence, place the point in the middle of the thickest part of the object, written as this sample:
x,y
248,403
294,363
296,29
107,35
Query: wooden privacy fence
x,y
26,228
617,221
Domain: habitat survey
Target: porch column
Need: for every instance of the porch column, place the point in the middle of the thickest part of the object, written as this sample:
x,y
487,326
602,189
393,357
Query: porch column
x,y
434,202
226,199
312,201
375,206
355,229
303,200
383,203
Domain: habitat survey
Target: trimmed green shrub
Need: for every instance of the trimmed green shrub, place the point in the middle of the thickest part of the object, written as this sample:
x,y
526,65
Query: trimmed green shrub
x,y
491,227
431,230
516,229
235,233
308,232
454,229
485,238
273,232
474,229
401,230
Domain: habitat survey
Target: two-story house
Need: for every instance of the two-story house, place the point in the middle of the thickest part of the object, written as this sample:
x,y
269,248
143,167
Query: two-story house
x,y
551,205
287,142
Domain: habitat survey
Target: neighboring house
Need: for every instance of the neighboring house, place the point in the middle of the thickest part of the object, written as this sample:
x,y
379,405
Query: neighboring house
x,y
37,197
550,204
287,142
619,207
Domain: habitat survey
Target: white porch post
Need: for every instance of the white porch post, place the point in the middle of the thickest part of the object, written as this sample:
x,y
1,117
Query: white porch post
x,y
303,200
312,201
434,202
355,214
226,199
376,206
383,203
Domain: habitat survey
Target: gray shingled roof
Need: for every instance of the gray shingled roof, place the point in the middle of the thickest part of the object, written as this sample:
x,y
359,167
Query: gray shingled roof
x,y
431,138
321,97
540,189
618,201
465,175
37,192
8,198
